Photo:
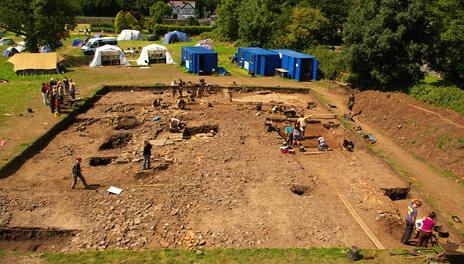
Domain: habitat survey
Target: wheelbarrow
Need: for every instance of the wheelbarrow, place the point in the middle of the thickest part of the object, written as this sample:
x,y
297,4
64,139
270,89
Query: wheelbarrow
x,y
453,256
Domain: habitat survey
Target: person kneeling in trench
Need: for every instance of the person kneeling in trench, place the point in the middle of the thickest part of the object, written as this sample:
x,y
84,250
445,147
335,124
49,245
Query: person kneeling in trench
x,y
76,173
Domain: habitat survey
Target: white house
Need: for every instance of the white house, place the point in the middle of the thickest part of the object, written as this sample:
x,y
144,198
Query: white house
x,y
183,9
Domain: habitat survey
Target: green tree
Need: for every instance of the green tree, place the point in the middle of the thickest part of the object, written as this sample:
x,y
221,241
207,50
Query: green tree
x,y
308,28
227,23
159,10
144,6
120,22
386,42
336,11
124,20
257,22
130,20
40,21
447,54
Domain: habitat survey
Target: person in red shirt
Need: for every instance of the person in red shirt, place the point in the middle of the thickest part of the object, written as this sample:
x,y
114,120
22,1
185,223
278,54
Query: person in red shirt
x,y
426,230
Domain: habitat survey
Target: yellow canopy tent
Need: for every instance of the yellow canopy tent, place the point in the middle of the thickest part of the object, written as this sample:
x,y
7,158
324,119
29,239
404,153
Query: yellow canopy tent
x,y
36,62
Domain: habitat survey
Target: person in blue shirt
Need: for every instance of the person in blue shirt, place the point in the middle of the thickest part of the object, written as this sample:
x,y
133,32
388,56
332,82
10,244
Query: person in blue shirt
x,y
289,131
410,220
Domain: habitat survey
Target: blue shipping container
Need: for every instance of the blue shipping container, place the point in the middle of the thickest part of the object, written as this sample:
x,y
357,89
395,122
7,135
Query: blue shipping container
x,y
300,66
199,60
257,60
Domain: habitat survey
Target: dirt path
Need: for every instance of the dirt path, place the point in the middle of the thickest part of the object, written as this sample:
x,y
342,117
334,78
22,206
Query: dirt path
x,y
431,183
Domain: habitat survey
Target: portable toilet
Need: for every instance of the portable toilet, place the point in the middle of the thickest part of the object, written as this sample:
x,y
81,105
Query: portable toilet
x,y
258,60
199,60
300,66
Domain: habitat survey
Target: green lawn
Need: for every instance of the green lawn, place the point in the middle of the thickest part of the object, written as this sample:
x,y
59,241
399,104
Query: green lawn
x,y
310,255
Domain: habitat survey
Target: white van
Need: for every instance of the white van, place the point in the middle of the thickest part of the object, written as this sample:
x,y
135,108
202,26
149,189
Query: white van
x,y
90,47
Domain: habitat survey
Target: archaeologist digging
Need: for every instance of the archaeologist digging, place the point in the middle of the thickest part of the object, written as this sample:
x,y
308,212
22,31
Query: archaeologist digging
x,y
410,220
181,103
301,123
146,155
174,125
76,173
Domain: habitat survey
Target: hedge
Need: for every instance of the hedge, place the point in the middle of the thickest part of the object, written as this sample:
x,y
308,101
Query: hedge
x,y
446,96
160,29
106,25
104,29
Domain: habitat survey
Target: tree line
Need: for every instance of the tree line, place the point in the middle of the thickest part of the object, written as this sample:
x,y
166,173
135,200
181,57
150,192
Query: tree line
x,y
109,8
384,42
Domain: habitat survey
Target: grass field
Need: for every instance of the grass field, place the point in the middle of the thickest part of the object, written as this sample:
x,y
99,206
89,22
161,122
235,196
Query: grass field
x,y
272,256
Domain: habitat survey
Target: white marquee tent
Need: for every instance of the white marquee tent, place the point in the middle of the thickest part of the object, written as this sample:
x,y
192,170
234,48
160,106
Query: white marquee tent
x,y
108,55
154,52
129,34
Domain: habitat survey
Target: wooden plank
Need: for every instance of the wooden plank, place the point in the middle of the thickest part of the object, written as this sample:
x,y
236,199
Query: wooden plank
x,y
314,153
361,222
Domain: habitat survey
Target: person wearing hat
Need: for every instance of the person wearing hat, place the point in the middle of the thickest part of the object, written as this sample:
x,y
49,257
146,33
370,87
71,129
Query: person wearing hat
x,y
76,172
410,220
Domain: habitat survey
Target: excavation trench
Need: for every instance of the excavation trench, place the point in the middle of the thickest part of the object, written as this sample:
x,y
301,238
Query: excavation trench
x,y
116,141
204,129
24,233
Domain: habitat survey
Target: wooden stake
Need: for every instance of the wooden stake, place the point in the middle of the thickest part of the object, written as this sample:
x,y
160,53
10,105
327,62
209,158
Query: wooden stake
x,y
361,223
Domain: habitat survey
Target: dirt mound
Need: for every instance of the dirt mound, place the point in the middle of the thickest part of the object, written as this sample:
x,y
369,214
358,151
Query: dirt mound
x,y
432,134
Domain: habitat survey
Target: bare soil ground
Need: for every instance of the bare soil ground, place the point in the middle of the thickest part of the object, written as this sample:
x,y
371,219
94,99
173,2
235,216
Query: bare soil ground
x,y
434,134
231,188
397,121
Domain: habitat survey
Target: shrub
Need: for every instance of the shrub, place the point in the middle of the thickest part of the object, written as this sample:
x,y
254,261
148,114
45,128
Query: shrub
x,y
105,25
446,96
331,63
104,29
160,29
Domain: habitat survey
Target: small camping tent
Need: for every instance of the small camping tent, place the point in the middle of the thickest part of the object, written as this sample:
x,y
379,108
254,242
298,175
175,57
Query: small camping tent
x,y
77,42
175,36
21,46
6,42
10,52
45,49
205,43
154,54
32,63
129,34
108,55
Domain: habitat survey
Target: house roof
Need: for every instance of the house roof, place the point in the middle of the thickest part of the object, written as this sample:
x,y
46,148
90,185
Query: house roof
x,y
200,50
294,54
182,4
259,51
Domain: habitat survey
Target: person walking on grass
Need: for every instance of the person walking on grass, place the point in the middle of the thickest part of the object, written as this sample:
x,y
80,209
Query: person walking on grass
x,y
146,155
72,89
44,93
410,220
51,98
76,173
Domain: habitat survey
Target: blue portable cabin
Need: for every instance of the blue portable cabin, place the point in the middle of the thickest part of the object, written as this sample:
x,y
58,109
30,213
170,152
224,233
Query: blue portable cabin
x,y
199,60
300,66
258,60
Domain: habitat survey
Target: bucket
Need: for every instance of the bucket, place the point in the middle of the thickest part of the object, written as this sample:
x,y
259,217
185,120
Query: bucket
x,y
283,150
